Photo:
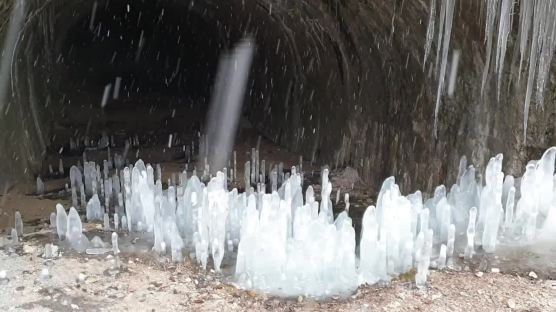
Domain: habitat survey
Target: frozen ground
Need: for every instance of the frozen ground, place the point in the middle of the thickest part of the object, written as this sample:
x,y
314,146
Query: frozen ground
x,y
149,285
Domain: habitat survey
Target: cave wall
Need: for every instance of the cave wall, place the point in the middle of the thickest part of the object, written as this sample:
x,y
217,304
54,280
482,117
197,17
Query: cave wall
x,y
340,82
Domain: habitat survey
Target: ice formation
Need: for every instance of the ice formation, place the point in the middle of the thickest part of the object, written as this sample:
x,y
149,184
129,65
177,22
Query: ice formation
x,y
115,250
61,222
15,236
18,223
535,42
288,243
52,220
40,186
74,235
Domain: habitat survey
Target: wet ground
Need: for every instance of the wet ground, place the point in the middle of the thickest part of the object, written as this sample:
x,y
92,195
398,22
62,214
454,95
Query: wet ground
x,y
145,282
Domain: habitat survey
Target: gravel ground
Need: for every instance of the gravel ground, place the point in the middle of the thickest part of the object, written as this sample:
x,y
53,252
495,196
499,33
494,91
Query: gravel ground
x,y
88,283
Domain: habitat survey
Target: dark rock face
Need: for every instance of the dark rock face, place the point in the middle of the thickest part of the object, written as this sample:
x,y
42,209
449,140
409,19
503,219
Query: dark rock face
x,y
342,82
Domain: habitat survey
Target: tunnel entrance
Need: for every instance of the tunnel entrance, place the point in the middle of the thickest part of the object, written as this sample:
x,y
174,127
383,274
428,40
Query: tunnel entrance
x,y
144,69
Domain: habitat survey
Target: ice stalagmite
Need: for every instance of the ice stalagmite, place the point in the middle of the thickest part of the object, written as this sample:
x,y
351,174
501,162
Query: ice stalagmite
x,y
442,258
115,250
370,253
94,210
470,248
509,212
424,258
491,203
451,246
40,186
326,203
52,220
74,234
18,223
61,222
15,237
116,222
218,211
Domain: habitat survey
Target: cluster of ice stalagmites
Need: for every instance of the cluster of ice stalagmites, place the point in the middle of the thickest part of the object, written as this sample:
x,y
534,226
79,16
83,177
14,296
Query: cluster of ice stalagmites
x,y
289,243
290,248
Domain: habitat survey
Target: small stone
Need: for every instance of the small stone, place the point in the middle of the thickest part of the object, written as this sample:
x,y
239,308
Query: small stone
x,y
533,275
74,306
3,274
28,249
495,270
436,296
45,274
511,303
81,277
300,299
479,274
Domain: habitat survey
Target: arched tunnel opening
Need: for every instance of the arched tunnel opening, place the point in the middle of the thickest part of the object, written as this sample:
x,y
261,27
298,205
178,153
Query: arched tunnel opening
x,y
157,76
350,89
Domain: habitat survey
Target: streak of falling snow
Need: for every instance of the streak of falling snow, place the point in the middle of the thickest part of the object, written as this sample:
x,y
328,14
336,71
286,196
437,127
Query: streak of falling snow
x,y
227,100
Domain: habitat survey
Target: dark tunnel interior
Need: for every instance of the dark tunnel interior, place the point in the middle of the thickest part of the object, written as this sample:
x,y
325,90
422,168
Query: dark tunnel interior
x,y
164,56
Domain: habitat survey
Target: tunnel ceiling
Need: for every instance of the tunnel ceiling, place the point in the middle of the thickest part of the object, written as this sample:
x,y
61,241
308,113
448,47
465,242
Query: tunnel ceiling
x,y
341,82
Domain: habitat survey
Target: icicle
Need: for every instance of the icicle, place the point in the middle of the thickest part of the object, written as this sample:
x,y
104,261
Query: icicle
x,y
525,21
489,33
446,46
504,30
430,32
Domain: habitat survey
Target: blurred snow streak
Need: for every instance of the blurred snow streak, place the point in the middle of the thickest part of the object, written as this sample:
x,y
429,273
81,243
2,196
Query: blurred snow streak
x,y
227,102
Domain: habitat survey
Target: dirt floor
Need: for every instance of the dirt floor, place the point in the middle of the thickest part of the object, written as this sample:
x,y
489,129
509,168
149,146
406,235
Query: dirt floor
x,y
88,283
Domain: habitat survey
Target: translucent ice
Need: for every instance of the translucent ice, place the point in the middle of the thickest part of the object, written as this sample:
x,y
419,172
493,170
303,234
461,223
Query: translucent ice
x,y
74,234
53,220
18,224
40,186
61,221
94,210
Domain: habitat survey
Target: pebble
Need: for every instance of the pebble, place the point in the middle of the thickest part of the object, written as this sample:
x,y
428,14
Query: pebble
x,y
3,274
300,299
29,249
479,274
495,270
533,275
511,303
74,306
45,274
81,277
